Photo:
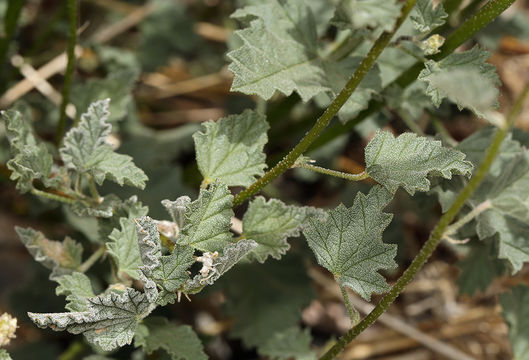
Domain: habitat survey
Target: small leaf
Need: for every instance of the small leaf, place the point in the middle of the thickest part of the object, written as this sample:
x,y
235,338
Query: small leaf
x,y
232,254
230,150
408,160
130,208
292,343
31,160
77,288
515,307
103,209
207,225
172,273
86,150
110,321
270,223
123,247
150,254
179,341
425,17
349,242
60,257
359,14
177,209
465,78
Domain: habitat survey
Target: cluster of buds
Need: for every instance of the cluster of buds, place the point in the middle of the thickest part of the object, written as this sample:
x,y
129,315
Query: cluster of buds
x,y
168,228
208,270
8,326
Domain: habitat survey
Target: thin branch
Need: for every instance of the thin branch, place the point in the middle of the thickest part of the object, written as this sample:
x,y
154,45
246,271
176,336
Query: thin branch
x,y
52,196
87,264
436,235
329,113
351,177
353,313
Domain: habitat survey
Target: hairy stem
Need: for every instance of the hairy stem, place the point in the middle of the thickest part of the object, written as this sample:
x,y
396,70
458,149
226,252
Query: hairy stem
x,y
469,28
87,264
353,313
436,235
329,113
351,177
70,51
452,229
52,196
93,189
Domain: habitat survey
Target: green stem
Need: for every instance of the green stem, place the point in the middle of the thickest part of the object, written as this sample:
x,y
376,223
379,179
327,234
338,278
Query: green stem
x,y
410,123
329,113
93,189
353,313
14,8
478,21
351,177
436,235
52,196
92,259
439,127
70,51
452,229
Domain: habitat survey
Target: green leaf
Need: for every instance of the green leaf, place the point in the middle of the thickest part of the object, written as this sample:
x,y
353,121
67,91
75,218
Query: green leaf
x,y
292,343
150,253
230,150
180,341
232,254
425,17
408,160
280,51
479,267
266,298
515,307
31,160
172,272
60,257
465,78
116,86
207,225
359,14
123,247
110,321
86,150
349,242
103,209
77,288
270,223
130,208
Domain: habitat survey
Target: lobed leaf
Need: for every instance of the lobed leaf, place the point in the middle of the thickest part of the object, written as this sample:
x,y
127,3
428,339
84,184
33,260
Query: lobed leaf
x,y
179,341
408,160
109,322
77,288
349,242
426,17
60,257
230,150
172,273
515,305
207,225
86,150
465,78
150,253
270,223
360,14
177,209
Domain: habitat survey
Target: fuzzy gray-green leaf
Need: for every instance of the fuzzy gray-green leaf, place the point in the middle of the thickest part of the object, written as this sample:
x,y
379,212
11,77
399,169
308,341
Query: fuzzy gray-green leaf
x,y
349,242
77,288
360,14
86,150
123,247
408,160
208,218
177,209
230,150
60,257
426,16
293,343
465,78
270,223
150,253
110,320
515,305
